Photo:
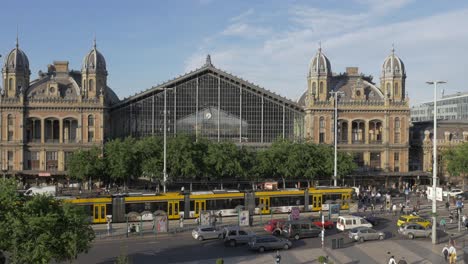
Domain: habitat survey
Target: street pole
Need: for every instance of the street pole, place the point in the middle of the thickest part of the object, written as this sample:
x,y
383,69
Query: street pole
x,y
165,142
434,166
335,167
323,231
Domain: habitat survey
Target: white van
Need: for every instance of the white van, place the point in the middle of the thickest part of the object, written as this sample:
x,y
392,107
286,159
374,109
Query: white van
x,y
349,222
47,190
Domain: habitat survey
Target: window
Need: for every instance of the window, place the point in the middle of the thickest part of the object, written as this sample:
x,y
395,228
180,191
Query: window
x,y
10,135
388,88
90,136
91,85
10,84
321,137
396,92
51,160
321,87
11,120
322,123
314,88
242,233
10,157
90,120
396,156
397,130
32,160
397,123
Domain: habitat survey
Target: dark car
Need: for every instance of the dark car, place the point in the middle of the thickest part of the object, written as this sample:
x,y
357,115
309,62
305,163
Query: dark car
x,y
374,220
300,229
262,243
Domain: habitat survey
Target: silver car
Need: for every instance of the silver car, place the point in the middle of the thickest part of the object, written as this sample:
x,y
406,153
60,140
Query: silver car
x,y
362,234
262,243
206,232
414,230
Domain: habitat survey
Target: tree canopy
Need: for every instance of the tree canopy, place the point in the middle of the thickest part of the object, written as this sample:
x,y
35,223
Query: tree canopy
x,y
84,164
456,160
41,229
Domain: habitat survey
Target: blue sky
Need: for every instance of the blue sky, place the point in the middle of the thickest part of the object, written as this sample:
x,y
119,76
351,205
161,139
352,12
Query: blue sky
x,y
269,43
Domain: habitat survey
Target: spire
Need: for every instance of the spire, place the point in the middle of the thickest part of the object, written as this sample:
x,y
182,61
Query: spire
x,y
208,60
17,41
320,46
393,49
94,42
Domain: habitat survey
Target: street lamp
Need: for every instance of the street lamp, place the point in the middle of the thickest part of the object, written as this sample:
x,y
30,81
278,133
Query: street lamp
x,y
4,170
434,165
336,94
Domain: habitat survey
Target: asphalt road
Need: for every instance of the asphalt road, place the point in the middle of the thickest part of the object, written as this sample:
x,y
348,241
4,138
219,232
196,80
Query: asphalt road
x,y
181,247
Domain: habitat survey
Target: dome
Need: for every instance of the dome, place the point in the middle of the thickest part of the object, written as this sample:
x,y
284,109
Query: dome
x,y
393,65
319,64
94,61
16,61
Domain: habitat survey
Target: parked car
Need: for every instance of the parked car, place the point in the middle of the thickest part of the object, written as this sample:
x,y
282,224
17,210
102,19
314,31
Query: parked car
x,y
206,232
299,229
235,235
274,226
328,224
262,243
455,192
413,230
362,234
349,222
404,219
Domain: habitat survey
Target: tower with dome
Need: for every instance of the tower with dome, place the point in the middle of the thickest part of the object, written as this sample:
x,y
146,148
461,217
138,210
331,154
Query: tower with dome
x,y
373,120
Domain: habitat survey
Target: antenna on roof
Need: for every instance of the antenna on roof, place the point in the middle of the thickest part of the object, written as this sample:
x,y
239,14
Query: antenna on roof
x,y
208,60
320,46
17,41
94,41
393,48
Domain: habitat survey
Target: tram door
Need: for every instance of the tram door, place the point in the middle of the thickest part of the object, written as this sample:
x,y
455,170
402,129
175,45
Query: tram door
x,y
173,209
316,202
200,205
99,213
265,201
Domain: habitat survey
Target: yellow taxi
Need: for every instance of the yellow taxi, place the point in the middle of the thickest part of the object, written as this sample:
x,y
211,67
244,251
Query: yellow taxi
x,y
413,219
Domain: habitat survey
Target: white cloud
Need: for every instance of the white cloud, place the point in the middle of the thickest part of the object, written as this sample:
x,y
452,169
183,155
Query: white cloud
x,y
432,47
245,30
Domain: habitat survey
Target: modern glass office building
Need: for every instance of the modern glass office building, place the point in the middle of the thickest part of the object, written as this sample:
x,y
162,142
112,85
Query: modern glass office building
x,y
212,104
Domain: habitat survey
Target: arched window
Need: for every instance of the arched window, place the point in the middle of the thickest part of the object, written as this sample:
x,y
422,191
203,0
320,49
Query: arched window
x,y
90,120
388,88
11,120
11,127
395,89
10,84
397,130
321,87
322,130
314,88
91,85
322,123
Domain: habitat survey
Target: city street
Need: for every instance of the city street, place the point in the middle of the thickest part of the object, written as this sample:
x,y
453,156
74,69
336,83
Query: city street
x,y
182,248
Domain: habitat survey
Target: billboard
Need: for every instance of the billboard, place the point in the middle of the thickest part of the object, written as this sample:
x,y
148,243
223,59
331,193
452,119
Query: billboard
x,y
430,193
244,218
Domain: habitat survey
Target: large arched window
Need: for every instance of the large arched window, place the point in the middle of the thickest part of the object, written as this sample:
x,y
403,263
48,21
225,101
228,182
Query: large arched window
x,y
11,127
90,120
10,84
321,87
322,130
395,89
314,88
91,85
397,130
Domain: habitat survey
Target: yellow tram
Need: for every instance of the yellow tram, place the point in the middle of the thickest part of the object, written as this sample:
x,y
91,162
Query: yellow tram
x,y
224,202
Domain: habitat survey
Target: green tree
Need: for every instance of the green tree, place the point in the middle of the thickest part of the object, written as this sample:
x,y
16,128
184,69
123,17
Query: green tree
x,y
122,159
41,229
272,161
456,160
184,157
150,154
222,161
83,165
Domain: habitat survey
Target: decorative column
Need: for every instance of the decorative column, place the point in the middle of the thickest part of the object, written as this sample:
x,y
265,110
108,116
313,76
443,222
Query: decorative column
x,y
42,131
60,130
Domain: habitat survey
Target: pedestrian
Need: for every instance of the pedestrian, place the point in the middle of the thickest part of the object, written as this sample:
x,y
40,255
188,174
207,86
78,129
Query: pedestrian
x,y
451,217
392,260
443,224
394,209
220,215
452,255
447,206
445,252
289,215
402,208
181,222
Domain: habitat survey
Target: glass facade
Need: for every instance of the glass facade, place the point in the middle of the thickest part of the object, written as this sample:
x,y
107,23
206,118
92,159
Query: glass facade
x,y
210,104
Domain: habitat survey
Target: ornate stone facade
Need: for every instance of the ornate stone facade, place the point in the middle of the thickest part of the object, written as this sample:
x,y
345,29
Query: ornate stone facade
x,y
45,120
373,122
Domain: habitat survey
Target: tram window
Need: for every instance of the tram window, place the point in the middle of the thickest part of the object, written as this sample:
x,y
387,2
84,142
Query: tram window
x,y
223,204
88,209
109,209
287,201
146,206
332,197
96,212
192,205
